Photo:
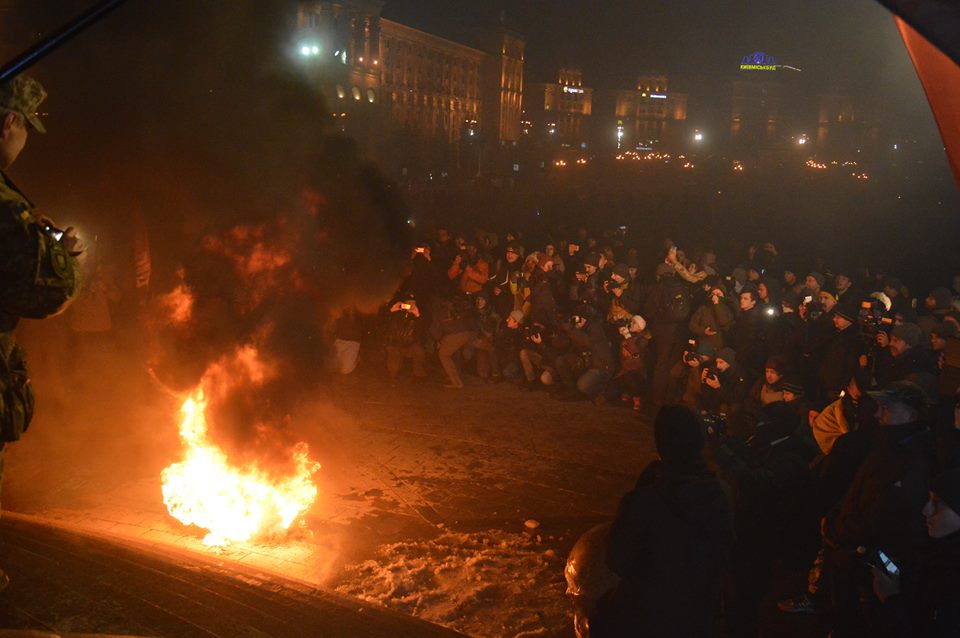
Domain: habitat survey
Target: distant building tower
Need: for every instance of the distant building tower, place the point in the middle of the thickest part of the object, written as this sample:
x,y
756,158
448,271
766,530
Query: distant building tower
x,y
388,83
559,110
645,113
503,85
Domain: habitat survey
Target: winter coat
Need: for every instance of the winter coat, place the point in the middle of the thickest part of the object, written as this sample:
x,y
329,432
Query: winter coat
x,y
929,604
748,339
670,544
718,316
838,358
882,506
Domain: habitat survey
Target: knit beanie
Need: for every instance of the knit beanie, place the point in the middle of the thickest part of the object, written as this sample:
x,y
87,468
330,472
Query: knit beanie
x,y
727,354
910,333
678,434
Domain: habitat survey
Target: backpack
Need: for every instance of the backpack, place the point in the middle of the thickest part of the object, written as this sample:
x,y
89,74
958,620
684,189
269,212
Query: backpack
x,y
675,303
16,395
39,277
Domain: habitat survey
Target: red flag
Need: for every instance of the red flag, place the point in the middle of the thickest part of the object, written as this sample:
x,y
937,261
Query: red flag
x,y
940,77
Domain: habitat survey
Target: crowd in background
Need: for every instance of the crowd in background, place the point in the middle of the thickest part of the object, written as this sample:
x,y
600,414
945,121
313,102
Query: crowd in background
x,y
827,397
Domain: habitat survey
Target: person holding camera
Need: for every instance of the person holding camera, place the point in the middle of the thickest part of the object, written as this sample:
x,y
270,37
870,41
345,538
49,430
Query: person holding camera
x,y
587,366
39,263
404,337
724,385
904,355
506,281
712,319
536,356
687,372
469,269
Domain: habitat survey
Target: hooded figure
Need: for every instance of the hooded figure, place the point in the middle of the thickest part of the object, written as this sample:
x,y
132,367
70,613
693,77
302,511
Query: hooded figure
x,y
670,541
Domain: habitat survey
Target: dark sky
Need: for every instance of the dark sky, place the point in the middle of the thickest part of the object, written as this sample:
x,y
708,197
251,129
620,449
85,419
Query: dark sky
x,y
853,41
850,46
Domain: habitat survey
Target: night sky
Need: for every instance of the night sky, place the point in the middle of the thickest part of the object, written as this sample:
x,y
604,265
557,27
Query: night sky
x,y
201,94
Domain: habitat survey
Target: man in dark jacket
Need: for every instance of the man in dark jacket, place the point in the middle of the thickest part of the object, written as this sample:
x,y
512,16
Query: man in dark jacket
x,y
404,337
926,601
668,308
588,364
838,355
881,509
748,335
670,542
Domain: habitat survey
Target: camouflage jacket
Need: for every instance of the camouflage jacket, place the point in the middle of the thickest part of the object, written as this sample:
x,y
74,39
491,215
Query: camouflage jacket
x,y
38,277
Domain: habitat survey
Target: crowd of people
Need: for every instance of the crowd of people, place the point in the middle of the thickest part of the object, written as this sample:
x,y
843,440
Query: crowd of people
x,y
825,399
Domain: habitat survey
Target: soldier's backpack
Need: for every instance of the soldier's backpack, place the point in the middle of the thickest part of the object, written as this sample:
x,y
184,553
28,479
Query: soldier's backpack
x,y
16,395
39,277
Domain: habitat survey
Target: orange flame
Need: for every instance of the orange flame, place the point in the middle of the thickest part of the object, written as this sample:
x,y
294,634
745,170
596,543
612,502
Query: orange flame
x,y
233,504
179,304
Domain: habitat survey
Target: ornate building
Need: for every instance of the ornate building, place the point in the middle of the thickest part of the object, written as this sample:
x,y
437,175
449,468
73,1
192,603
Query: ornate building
x,y
643,113
387,81
559,110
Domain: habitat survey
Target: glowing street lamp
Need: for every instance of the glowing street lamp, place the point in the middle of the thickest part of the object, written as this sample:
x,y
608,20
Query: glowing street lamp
x,y
310,50
802,140
697,136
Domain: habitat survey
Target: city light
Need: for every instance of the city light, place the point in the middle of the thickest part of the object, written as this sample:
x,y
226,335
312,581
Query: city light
x,y
737,165
802,139
310,50
697,136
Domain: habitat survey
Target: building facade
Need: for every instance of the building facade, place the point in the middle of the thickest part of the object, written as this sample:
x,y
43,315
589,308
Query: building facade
x,y
389,84
646,114
559,111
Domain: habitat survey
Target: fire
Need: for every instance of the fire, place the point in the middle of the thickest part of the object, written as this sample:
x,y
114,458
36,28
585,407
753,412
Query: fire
x,y
234,504
179,304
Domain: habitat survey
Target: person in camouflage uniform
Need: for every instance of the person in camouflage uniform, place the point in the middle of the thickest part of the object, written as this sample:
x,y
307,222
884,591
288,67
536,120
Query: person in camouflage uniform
x,y
39,269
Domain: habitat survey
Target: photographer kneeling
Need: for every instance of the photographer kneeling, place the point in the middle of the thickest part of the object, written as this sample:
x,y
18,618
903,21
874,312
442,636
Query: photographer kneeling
x,y
588,364
723,386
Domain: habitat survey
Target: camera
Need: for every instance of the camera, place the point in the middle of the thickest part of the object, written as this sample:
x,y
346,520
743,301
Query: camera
x,y
53,231
714,424
690,352
873,318
710,373
529,332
